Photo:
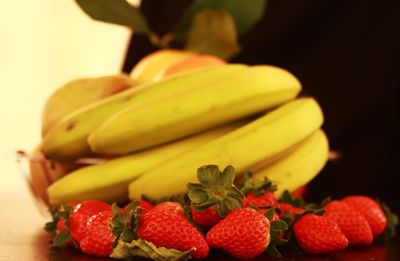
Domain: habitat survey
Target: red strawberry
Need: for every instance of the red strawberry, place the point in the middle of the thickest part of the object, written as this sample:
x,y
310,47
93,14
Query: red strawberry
x,y
352,224
206,218
215,196
99,237
258,192
166,226
319,235
243,234
267,199
288,208
61,227
81,214
146,206
371,210
299,192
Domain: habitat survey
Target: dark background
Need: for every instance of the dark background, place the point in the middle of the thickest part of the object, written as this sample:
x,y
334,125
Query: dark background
x,y
347,56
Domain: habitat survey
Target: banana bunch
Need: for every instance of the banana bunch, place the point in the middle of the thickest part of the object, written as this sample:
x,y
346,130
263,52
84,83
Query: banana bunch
x,y
158,133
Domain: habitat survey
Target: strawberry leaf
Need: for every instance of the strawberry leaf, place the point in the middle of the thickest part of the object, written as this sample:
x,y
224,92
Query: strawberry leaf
x,y
146,249
287,197
257,186
215,189
124,225
270,213
273,251
197,195
51,226
392,223
227,177
117,12
60,239
208,175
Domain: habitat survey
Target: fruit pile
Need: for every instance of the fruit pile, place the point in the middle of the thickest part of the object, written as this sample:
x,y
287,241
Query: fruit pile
x,y
147,133
120,138
241,216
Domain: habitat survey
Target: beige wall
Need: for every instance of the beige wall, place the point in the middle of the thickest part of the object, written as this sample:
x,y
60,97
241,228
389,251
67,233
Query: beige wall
x,y
43,44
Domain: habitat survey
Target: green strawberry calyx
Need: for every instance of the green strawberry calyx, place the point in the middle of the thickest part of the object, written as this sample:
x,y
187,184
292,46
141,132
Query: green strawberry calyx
x,y
215,188
60,239
392,223
278,232
256,186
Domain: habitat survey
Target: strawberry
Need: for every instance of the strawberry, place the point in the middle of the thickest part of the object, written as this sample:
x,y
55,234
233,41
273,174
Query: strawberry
x,y
215,195
300,192
352,224
290,205
206,218
319,235
146,206
99,236
80,215
258,192
166,226
288,209
243,234
371,210
267,199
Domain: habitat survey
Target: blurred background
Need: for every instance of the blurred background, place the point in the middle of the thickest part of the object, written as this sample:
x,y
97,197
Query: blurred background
x,y
44,44
345,53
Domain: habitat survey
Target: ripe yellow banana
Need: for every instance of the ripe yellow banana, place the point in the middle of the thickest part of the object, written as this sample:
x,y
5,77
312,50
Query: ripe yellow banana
x,y
68,138
302,163
251,90
109,181
243,148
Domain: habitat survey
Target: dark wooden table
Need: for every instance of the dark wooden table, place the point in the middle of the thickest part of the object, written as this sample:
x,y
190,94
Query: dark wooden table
x,y
22,238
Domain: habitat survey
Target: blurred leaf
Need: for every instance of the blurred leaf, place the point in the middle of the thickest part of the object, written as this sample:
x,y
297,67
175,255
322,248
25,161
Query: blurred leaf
x,y
117,12
213,32
245,13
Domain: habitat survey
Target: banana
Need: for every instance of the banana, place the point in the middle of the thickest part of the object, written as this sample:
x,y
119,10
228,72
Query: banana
x,y
303,162
243,148
67,139
249,91
109,181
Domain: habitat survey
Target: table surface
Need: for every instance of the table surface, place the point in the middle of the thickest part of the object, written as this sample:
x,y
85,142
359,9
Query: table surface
x,y
22,238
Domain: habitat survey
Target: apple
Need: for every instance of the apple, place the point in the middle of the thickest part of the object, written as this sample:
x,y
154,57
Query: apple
x,y
149,66
190,63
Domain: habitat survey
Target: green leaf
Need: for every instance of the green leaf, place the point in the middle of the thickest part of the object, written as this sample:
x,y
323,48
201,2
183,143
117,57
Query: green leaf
x,y
213,32
117,12
228,177
143,248
273,251
270,213
392,223
208,175
233,203
61,239
279,225
245,13
197,196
